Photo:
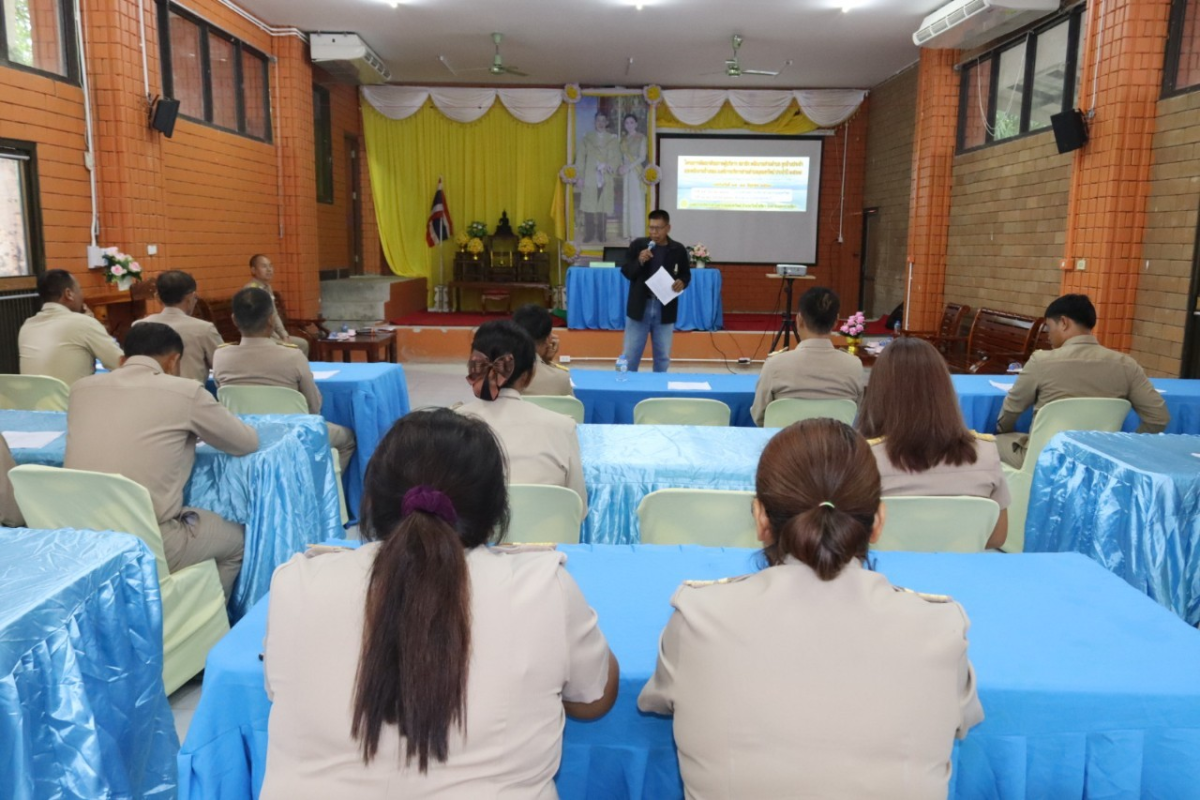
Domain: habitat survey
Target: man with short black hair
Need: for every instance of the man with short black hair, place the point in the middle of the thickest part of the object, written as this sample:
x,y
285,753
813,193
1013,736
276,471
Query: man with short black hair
x,y
645,315
1078,366
62,341
263,273
177,291
142,421
815,370
548,377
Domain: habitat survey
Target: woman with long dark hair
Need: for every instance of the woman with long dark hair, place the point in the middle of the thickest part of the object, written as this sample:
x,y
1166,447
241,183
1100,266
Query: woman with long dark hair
x,y
426,663
911,418
814,677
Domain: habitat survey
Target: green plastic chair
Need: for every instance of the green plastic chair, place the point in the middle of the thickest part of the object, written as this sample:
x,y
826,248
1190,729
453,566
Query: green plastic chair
x,y
681,411
278,400
193,604
786,410
710,517
33,393
562,404
938,524
1073,414
541,513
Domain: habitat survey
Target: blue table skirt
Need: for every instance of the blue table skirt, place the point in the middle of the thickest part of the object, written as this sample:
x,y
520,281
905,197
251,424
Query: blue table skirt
x,y
596,299
1131,503
82,708
284,493
1089,689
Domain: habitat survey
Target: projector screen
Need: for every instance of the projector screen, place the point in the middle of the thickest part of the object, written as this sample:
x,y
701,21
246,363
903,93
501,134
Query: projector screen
x,y
750,199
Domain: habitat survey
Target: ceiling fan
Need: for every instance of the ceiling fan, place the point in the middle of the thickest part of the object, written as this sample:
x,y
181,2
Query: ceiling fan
x,y
733,67
497,67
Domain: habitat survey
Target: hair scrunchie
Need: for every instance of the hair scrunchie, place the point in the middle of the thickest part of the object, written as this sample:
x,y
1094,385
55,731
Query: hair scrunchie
x,y
486,376
430,501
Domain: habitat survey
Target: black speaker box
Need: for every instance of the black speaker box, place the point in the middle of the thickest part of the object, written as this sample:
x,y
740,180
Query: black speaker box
x,y
162,118
1070,130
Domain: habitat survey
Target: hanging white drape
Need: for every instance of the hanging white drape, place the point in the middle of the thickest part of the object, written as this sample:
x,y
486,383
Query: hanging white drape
x,y
829,107
463,103
826,107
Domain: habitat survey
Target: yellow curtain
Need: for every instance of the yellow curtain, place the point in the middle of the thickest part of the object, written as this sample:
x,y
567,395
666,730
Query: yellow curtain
x,y
489,166
790,123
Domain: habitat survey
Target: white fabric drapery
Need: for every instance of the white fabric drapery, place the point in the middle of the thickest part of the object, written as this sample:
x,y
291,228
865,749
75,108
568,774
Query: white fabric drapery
x,y
463,103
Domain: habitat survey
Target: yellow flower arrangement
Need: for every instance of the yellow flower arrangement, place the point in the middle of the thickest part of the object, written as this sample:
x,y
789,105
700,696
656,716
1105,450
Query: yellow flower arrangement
x,y
525,246
568,174
475,246
541,239
653,94
572,93
569,251
461,240
651,175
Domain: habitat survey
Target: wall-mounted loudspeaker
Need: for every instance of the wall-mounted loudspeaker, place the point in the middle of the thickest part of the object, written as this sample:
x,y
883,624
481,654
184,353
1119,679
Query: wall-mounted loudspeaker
x,y
1070,130
162,116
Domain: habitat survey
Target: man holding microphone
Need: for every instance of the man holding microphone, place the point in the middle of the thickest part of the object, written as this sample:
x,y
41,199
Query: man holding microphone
x,y
645,314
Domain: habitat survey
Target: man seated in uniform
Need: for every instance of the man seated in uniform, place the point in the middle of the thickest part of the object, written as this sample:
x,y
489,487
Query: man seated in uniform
x,y
815,370
260,360
142,421
61,340
177,291
262,272
548,377
1078,366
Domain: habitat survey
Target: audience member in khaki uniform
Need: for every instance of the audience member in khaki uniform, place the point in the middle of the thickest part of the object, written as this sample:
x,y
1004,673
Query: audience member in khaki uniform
x,y
260,360
177,291
815,370
142,421
1078,366
61,340
540,446
814,677
10,513
548,377
263,272
920,442
476,654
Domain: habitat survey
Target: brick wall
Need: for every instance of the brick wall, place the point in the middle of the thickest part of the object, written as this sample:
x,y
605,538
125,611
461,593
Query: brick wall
x,y
1008,222
888,180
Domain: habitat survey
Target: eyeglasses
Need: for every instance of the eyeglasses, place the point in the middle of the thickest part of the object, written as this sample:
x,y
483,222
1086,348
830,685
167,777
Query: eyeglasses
x,y
657,227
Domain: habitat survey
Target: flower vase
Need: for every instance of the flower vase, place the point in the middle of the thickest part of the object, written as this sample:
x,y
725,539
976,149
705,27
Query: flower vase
x,y
852,345
124,282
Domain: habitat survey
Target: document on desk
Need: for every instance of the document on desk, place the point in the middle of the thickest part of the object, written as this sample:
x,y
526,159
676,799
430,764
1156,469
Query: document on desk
x,y
325,374
1004,387
689,386
30,440
660,283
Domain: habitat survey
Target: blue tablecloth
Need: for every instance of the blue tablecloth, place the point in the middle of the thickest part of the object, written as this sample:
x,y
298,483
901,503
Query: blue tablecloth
x,y
1130,502
608,400
1089,688
596,299
624,463
82,708
284,493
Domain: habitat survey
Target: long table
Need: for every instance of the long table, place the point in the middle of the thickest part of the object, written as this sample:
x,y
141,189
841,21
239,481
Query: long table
x,y
284,493
1131,503
82,708
1089,688
596,299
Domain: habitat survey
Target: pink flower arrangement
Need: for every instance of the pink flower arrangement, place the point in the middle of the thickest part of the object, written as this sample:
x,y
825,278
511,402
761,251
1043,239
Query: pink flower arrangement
x,y
854,325
699,253
120,267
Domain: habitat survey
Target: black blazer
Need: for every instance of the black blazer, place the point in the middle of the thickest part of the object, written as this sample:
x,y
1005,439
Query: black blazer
x,y
676,263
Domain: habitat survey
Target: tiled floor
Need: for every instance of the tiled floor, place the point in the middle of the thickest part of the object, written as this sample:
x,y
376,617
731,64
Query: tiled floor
x,y
183,705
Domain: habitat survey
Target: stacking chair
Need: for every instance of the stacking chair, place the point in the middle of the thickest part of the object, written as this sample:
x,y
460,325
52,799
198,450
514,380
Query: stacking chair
x,y
938,524
563,404
711,517
277,400
1074,414
541,513
786,410
33,393
193,605
681,411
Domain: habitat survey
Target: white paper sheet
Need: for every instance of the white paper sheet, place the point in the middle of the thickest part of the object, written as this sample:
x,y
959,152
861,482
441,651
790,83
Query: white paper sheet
x,y
660,283
324,375
689,386
30,440
1004,387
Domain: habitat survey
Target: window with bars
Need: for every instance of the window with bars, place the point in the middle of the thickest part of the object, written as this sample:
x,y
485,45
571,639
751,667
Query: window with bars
x,y
39,35
20,220
1181,69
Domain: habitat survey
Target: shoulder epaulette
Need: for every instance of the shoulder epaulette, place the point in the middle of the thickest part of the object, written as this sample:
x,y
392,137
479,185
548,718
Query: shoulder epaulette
x,y
315,550
287,344
928,598
718,582
984,437
227,344
559,366
875,441
524,547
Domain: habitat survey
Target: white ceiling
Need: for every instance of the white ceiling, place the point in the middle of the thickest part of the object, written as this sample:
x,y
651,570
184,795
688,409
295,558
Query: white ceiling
x,y
672,42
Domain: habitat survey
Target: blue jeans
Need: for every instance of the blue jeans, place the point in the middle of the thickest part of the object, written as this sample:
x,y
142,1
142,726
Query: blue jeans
x,y
660,334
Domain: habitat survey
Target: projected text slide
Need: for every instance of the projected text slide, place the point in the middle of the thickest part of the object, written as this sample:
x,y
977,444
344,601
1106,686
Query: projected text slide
x,y
742,183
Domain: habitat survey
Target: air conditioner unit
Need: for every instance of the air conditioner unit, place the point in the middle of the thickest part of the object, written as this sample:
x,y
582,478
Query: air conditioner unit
x,y
965,24
347,58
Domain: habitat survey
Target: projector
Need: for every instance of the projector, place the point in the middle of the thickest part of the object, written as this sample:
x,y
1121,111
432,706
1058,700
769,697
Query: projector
x,y
791,270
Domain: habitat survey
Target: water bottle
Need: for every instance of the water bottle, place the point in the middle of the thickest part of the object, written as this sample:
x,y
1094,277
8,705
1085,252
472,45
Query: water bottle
x,y
622,368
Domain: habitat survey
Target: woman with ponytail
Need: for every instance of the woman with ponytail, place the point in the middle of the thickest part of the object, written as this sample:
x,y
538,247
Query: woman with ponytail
x,y
425,663
814,677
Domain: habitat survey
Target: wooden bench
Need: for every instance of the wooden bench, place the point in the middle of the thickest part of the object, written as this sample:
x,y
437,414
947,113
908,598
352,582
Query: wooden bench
x,y
997,339
220,314
946,338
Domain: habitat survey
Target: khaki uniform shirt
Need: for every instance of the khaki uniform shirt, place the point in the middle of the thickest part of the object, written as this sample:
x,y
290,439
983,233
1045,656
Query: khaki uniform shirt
x,y
10,512
540,446
815,370
549,379
141,423
266,362
278,331
984,478
534,643
62,344
771,705
200,341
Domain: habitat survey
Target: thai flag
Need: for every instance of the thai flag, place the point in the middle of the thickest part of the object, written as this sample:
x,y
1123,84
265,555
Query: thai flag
x,y
440,227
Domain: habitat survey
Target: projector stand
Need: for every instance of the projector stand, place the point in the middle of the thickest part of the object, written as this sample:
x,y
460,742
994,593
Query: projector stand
x,y
787,321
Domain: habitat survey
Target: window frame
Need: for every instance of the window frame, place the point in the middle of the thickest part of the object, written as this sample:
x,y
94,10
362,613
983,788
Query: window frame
x,y
1074,20
323,143
33,201
66,19
240,48
1174,51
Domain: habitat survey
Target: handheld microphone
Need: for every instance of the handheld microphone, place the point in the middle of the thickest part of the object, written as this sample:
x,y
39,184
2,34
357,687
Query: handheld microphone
x,y
650,246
